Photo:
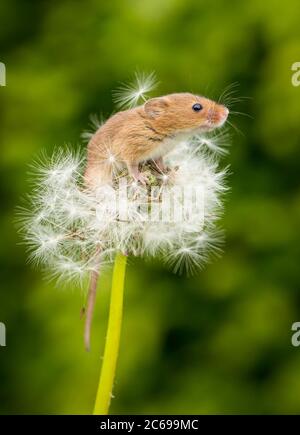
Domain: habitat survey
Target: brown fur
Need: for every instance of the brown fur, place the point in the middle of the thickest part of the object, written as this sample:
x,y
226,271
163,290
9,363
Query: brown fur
x,y
136,135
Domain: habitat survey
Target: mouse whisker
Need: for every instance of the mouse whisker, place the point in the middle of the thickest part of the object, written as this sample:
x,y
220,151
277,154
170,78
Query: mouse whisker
x,y
228,90
241,113
235,127
233,100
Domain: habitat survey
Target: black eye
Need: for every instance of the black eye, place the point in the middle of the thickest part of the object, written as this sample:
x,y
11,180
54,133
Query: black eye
x,y
197,107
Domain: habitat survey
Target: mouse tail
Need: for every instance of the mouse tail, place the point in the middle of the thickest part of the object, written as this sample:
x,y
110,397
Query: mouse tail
x,y
91,299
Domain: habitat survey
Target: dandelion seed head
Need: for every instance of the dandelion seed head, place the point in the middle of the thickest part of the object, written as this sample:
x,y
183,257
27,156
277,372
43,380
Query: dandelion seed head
x,y
72,230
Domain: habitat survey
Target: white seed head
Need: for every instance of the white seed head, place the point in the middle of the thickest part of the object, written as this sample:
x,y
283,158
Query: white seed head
x,y
71,230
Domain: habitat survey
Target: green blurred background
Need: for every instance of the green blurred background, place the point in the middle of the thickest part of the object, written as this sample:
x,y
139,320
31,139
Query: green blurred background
x,y
219,342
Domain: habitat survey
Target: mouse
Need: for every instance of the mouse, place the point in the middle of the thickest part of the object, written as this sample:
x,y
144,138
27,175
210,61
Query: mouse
x,y
148,132
145,133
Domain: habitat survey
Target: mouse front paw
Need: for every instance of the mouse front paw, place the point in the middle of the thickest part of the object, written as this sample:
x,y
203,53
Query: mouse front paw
x,y
159,165
138,177
141,178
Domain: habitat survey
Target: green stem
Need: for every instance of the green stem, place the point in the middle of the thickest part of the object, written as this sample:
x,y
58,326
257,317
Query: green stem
x,y
111,350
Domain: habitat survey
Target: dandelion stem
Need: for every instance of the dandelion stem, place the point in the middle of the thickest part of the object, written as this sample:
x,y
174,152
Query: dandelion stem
x,y
111,350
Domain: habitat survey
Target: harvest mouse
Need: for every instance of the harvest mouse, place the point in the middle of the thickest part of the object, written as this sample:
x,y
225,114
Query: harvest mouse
x,y
148,132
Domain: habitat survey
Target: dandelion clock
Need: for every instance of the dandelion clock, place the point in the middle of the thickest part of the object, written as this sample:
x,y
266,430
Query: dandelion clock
x,y
149,185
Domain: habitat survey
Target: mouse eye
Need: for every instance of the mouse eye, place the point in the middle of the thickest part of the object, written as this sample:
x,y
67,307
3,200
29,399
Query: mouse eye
x,y
197,107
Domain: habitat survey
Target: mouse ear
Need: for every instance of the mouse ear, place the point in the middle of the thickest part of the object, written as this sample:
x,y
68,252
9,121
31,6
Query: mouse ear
x,y
155,106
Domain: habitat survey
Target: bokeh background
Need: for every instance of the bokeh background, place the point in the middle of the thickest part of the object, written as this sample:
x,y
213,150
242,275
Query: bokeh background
x,y
219,342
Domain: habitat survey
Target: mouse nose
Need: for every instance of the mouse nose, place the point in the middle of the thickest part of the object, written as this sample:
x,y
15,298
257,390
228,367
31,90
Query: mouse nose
x,y
224,113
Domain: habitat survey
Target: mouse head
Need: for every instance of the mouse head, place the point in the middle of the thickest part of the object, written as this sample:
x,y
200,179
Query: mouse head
x,y
185,112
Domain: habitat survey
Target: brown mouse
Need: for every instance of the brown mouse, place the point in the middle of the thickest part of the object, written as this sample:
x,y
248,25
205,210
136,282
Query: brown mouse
x,y
137,135
148,132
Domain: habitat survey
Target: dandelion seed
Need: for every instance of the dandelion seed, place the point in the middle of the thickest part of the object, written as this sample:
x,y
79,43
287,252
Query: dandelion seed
x,y
216,143
130,95
184,258
95,123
